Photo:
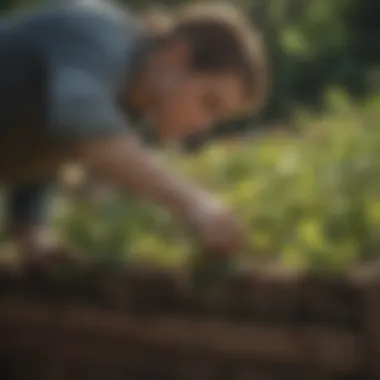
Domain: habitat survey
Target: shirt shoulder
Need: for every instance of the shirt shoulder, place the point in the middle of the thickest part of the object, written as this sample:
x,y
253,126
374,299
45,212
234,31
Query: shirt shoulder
x,y
94,34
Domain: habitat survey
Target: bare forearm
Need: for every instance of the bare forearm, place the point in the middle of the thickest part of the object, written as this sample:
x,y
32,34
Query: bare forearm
x,y
125,163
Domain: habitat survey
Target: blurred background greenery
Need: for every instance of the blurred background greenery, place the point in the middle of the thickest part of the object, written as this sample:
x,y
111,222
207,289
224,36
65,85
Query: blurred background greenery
x,y
303,175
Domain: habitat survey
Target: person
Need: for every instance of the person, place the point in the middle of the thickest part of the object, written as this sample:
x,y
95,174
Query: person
x,y
77,79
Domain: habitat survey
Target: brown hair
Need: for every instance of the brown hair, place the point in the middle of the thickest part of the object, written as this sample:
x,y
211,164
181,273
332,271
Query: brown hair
x,y
222,38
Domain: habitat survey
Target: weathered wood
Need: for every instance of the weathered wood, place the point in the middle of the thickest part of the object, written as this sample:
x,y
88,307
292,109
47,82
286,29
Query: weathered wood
x,y
75,330
144,324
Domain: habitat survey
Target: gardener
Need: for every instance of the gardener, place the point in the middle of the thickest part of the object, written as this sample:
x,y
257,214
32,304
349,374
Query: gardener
x,y
75,79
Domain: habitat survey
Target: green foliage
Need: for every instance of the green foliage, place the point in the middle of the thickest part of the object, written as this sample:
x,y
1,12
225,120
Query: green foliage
x,y
307,200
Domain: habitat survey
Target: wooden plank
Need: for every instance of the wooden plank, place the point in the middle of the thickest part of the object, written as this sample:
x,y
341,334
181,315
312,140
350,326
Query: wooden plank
x,y
368,281
75,329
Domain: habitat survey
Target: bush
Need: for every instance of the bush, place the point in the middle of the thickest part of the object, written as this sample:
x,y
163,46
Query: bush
x,y
307,200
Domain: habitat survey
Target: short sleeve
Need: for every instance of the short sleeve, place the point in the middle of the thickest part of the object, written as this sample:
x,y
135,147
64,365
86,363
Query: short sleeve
x,y
82,106
86,59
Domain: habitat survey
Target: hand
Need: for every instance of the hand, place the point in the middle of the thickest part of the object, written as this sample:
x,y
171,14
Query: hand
x,y
216,227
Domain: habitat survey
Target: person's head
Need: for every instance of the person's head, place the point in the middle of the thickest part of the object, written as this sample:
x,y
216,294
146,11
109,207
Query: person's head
x,y
209,66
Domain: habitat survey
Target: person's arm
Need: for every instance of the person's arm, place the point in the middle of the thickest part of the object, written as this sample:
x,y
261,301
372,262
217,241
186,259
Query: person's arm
x,y
126,163
86,119
84,116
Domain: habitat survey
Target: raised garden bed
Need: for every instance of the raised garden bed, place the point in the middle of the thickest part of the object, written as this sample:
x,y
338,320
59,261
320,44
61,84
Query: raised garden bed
x,y
140,323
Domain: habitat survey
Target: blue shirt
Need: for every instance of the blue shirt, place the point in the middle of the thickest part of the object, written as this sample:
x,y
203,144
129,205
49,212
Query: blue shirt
x,y
61,72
